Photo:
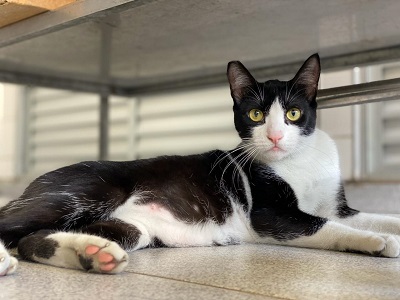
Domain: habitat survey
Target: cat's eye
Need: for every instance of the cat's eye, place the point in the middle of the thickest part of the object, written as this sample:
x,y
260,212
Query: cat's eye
x,y
256,115
293,114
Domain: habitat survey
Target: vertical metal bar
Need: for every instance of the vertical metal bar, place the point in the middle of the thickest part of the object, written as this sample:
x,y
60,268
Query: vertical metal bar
x,y
357,132
103,129
27,123
23,136
106,28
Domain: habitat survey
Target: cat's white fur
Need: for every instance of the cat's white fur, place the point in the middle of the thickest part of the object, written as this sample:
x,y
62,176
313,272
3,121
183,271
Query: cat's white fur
x,y
154,220
8,264
310,164
72,246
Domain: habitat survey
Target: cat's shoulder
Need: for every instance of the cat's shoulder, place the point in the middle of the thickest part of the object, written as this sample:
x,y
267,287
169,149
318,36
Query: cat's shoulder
x,y
324,137
325,145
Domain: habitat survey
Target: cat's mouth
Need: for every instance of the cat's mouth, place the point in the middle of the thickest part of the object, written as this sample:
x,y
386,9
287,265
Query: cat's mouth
x,y
276,149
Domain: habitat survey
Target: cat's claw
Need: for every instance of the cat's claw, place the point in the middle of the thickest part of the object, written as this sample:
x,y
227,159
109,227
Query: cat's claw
x,y
8,264
103,256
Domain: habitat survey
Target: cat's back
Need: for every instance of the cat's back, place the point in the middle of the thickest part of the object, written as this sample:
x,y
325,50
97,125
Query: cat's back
x,y
122,177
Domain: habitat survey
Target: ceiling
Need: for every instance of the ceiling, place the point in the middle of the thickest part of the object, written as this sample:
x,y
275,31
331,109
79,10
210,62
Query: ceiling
x,y
143,45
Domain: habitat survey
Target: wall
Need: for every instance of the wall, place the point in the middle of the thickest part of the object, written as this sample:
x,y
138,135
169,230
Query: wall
x,y
10,131
173,123
338,122
186,122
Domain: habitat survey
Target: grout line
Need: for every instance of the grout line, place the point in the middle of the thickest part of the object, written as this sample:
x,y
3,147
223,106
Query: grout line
x,y
206,285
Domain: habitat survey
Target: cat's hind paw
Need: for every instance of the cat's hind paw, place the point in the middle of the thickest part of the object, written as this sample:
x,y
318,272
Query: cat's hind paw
x,y
103,256
8,264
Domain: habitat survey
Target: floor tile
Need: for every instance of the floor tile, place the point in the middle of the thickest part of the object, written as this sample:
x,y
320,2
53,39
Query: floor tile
x,y
276,271
35,281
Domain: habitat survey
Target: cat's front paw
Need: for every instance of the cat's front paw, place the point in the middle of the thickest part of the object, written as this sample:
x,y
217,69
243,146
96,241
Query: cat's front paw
x,y
8,264
102,256
384,245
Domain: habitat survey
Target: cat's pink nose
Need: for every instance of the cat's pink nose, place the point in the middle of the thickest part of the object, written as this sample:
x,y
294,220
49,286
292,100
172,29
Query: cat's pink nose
x,y
275,137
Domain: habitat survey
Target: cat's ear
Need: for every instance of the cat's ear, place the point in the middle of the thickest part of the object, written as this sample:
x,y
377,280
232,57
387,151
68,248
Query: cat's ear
x,y
239,79
308,76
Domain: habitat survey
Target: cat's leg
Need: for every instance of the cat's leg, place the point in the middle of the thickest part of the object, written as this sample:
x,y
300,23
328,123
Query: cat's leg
x,y
97,248
296,228
336,236
130,237
8,264
364,221
371,222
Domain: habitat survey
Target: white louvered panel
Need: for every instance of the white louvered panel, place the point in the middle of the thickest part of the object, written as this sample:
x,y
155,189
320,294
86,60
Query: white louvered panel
x,y
63,128
392,157
391,110
187,101
121,116
186,123
390,114
189,122
65,135
77,151
187,144
65,101
391,136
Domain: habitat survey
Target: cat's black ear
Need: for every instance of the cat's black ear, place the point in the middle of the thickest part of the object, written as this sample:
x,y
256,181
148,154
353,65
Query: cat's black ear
x,y
239,79
308,76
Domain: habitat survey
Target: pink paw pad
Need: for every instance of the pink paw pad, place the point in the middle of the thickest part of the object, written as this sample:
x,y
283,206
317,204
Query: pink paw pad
x,y
91,250
105,260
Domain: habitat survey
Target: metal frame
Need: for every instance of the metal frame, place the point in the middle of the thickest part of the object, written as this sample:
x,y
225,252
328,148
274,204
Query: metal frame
x,y
101,11
187,81
378,91
73,14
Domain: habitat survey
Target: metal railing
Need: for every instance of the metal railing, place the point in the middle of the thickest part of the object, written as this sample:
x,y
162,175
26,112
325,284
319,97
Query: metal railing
x,y
377,91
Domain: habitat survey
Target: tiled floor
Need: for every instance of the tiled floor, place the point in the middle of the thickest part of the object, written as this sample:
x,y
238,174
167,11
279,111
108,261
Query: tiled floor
x,y
234,272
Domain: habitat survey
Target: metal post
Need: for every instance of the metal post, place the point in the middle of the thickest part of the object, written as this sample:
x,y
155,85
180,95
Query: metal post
x,y
103,129
106,28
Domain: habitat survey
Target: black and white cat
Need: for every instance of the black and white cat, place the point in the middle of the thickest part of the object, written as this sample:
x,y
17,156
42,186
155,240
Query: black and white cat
x,y
281,185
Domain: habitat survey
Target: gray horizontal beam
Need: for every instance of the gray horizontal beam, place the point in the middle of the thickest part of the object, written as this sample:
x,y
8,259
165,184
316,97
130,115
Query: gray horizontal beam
x,y
384,90
188,81
64,17
56,82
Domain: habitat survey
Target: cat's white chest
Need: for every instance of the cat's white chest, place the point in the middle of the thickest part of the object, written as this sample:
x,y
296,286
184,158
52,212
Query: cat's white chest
x,y
313,174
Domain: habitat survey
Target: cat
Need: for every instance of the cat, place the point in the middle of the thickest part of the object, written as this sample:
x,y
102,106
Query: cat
x,y
280,185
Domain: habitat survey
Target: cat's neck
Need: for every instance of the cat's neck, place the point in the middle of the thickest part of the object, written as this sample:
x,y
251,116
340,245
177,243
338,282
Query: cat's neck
x,y
317,148
318,154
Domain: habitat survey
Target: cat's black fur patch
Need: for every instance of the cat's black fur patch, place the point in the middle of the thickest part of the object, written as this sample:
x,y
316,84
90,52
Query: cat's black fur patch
x,y
275,212
117,231
37,245
157,243
86,263
343,210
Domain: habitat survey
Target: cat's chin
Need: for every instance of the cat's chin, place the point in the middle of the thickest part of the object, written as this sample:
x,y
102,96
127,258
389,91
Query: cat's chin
x,y
273,154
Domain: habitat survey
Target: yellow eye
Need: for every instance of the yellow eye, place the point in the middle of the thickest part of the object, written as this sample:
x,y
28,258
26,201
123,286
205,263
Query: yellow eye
x,y
293,114
256,115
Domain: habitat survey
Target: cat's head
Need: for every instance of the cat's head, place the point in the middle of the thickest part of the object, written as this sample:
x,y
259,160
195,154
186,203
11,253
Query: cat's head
x,y
275,118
